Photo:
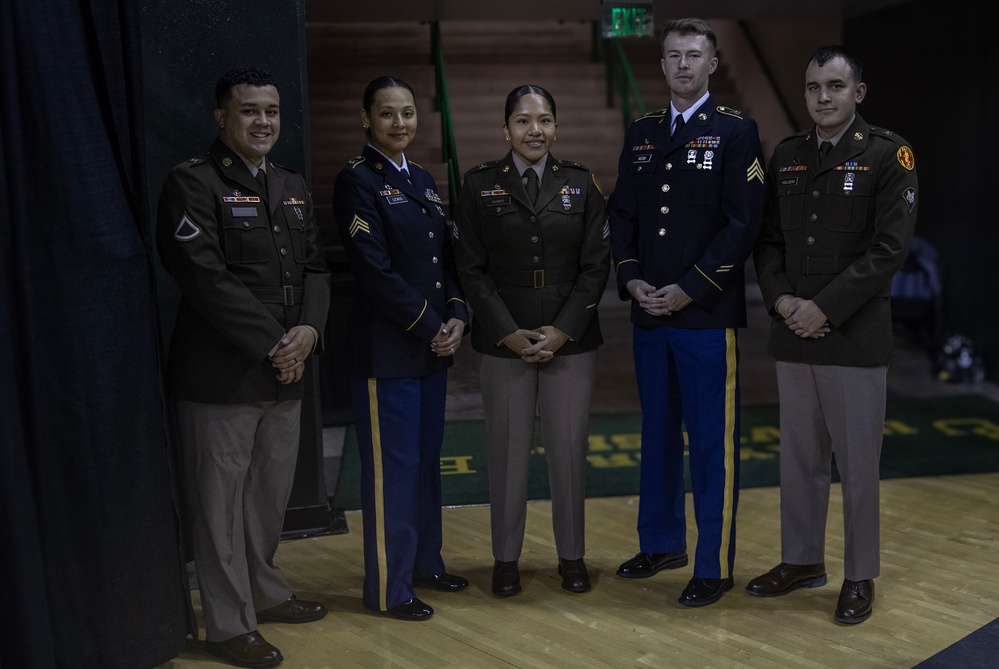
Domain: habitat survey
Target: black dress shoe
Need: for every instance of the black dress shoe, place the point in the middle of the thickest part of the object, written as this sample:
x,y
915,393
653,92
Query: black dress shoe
x,y
856,602
411,609
506,578
704,591
443,581
292,611
247,650
644,565
575,578
785,577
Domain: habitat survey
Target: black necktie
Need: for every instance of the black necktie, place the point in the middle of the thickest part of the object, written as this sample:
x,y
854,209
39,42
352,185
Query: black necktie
x,y
405,173
533,185
678,125
824,149
262,180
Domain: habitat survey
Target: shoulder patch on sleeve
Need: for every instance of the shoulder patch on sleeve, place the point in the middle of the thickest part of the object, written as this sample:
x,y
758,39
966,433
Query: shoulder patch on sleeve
x,y
906,158
728,111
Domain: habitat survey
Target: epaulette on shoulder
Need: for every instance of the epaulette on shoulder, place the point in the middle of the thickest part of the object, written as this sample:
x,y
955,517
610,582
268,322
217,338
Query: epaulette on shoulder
x,y
286,169
570,163
885,134
197,160
798,135
728,111
659,113
355,161
486,165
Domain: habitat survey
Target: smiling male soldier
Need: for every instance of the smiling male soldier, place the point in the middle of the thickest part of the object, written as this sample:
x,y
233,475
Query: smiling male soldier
x,y
237,234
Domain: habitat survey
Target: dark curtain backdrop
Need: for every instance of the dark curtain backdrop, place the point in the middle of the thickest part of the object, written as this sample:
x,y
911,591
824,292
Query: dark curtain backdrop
x,y
89,541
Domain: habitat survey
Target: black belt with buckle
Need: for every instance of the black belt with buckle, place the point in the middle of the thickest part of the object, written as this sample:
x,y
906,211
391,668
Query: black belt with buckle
x,y
535,278
286,295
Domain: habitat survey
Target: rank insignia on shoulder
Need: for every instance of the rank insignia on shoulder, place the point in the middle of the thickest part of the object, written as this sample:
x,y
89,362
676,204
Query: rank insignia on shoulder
x,y
186,230
755,171
728,111
909,196
199,159
355,161
359,225
905,158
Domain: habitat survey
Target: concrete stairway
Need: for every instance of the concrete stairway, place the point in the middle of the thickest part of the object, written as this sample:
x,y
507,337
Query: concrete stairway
x,y
485,60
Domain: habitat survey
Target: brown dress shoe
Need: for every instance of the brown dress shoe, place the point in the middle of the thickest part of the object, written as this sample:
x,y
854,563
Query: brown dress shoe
x,y
506,578
247,650
786,577
856,602
644,565
575,578
292,611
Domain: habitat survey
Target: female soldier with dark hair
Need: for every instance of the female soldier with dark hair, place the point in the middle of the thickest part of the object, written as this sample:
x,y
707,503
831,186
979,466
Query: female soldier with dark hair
x,y
407,321
533,257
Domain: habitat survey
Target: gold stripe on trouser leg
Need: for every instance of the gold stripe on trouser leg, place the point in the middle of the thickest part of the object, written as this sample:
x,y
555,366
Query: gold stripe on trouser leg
x,y
376,455
731,452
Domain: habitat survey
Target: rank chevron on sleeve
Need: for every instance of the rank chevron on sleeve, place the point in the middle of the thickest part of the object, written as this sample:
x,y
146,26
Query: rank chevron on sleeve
x,y
359,225
755,171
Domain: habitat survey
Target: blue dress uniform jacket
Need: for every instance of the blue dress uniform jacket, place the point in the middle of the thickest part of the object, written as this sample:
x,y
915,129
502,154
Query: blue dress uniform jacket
x,y
399,247
687,210
249,266
524,265
837,234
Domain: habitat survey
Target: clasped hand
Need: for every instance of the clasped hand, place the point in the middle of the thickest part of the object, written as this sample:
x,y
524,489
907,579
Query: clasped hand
x,y
658,301
536,345
295,347
803,317
448,338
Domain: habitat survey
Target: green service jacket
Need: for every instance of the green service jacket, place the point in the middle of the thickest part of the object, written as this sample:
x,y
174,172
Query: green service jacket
x,y
836,234
526,266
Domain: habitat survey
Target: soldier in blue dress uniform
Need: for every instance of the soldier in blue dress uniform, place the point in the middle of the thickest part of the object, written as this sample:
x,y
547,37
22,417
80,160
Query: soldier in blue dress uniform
x,y
407,322
684,216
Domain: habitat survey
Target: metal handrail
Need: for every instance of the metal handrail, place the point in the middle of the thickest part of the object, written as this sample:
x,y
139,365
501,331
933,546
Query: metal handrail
x,y
621,80
449,152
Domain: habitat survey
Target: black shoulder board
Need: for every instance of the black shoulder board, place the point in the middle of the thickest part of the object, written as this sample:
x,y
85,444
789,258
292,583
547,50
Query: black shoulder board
x,y
728,111
659,113
196,160
355,161
569,163
286,169
882,132
485,165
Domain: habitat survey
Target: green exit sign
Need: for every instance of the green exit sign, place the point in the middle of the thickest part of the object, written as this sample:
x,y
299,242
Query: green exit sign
x,y
627,19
